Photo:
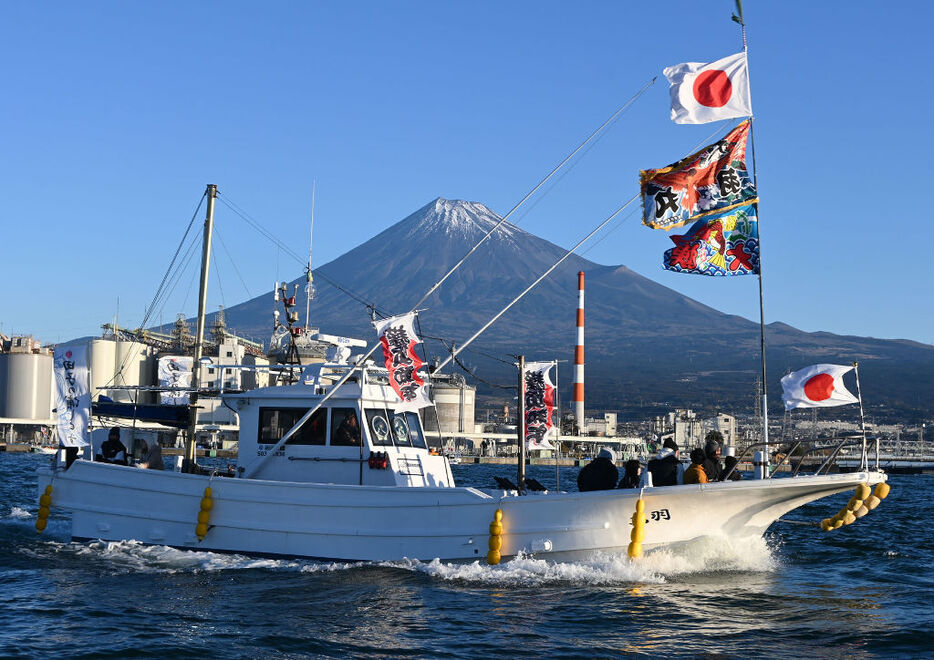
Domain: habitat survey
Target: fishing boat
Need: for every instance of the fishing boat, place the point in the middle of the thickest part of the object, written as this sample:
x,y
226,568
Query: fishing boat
x,y
332,465
335,465
357,482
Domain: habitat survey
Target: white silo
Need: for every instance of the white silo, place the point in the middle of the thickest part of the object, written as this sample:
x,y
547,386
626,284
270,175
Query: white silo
x,y
101,360
133,367
26,389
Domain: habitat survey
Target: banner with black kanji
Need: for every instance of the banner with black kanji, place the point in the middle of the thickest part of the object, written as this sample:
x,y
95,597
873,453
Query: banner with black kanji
x,y
539,405
397,335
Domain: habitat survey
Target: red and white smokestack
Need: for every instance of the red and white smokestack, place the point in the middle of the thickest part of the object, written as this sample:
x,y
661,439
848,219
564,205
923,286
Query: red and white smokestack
x,y
578,397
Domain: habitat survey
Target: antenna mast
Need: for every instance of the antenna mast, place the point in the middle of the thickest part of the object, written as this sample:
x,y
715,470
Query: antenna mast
x,y
309,285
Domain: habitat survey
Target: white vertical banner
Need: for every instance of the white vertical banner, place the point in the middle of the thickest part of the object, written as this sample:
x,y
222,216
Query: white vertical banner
x,y
72,394
539,405
175,371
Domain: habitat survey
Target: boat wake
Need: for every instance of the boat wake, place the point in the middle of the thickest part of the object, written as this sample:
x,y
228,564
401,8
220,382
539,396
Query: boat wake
x,y
708,555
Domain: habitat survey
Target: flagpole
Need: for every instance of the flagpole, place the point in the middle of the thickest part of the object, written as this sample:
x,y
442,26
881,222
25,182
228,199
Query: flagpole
x,y
520,426
738,18
864,463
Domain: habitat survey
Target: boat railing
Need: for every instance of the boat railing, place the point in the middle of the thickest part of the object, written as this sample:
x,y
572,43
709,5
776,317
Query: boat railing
x,y
801,449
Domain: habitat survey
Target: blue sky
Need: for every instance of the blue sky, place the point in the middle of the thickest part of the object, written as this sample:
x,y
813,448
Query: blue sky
x,y
117,114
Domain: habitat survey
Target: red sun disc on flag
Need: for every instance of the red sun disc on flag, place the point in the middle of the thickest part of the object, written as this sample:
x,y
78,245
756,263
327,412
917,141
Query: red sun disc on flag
x,y
819,387
68,354
713,88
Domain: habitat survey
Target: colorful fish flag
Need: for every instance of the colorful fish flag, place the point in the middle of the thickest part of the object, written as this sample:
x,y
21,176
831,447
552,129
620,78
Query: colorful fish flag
x,y
397,335
817,386
704,92
723,244
708,181
539,405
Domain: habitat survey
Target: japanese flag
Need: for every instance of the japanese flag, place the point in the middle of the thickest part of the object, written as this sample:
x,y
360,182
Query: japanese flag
x,y
818,386
701,93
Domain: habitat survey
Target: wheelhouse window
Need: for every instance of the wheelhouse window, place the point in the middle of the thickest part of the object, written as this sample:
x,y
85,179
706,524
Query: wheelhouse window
x,y
276,422
416,436
345,427
380,431
400,430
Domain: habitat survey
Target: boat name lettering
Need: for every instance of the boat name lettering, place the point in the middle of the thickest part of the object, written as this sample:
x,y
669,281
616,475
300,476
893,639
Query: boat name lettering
x,y
661,514
262,450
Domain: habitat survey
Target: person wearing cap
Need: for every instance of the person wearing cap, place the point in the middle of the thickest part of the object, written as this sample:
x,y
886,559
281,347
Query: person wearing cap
x,y
695,473
112,450
666,469
600,473
712,461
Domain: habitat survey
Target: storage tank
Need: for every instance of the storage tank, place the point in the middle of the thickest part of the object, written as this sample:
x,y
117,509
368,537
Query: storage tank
x,y
101,359
455,404
133,366
26,386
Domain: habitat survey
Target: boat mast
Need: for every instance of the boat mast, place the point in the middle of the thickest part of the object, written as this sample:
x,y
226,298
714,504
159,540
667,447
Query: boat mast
x,y
211,193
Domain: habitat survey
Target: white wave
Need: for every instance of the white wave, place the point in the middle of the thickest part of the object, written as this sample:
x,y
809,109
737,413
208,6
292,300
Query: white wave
x,y
702,556
135,557
19,514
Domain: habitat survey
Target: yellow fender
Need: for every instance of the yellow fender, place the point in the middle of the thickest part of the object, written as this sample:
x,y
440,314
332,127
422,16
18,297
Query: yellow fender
x,y
493,557
204,515
638,530
45,507
882,490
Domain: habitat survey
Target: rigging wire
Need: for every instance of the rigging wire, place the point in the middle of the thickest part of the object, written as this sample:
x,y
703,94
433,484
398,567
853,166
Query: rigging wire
x,y
217,278
544,275
233,263
299,260
536,188
147,314
181,243
632,213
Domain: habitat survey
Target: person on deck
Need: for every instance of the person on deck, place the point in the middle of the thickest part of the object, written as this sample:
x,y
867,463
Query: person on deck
x,y
112,450
712,465
632,478
348,433
666,469
729,463
695,473
600,473
151,456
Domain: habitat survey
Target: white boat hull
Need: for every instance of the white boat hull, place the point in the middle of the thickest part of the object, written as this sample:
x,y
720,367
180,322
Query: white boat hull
x,y
350,522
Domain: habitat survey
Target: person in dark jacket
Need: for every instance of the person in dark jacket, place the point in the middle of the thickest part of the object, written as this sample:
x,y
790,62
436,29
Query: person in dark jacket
x,y
633,475
666,469
729,463
112,450
712,466
600,473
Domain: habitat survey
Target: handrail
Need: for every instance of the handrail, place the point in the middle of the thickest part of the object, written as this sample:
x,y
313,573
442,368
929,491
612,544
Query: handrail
x,y
817,445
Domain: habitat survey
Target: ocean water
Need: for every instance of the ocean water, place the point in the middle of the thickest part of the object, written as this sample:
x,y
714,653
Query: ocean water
x,y
866,590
